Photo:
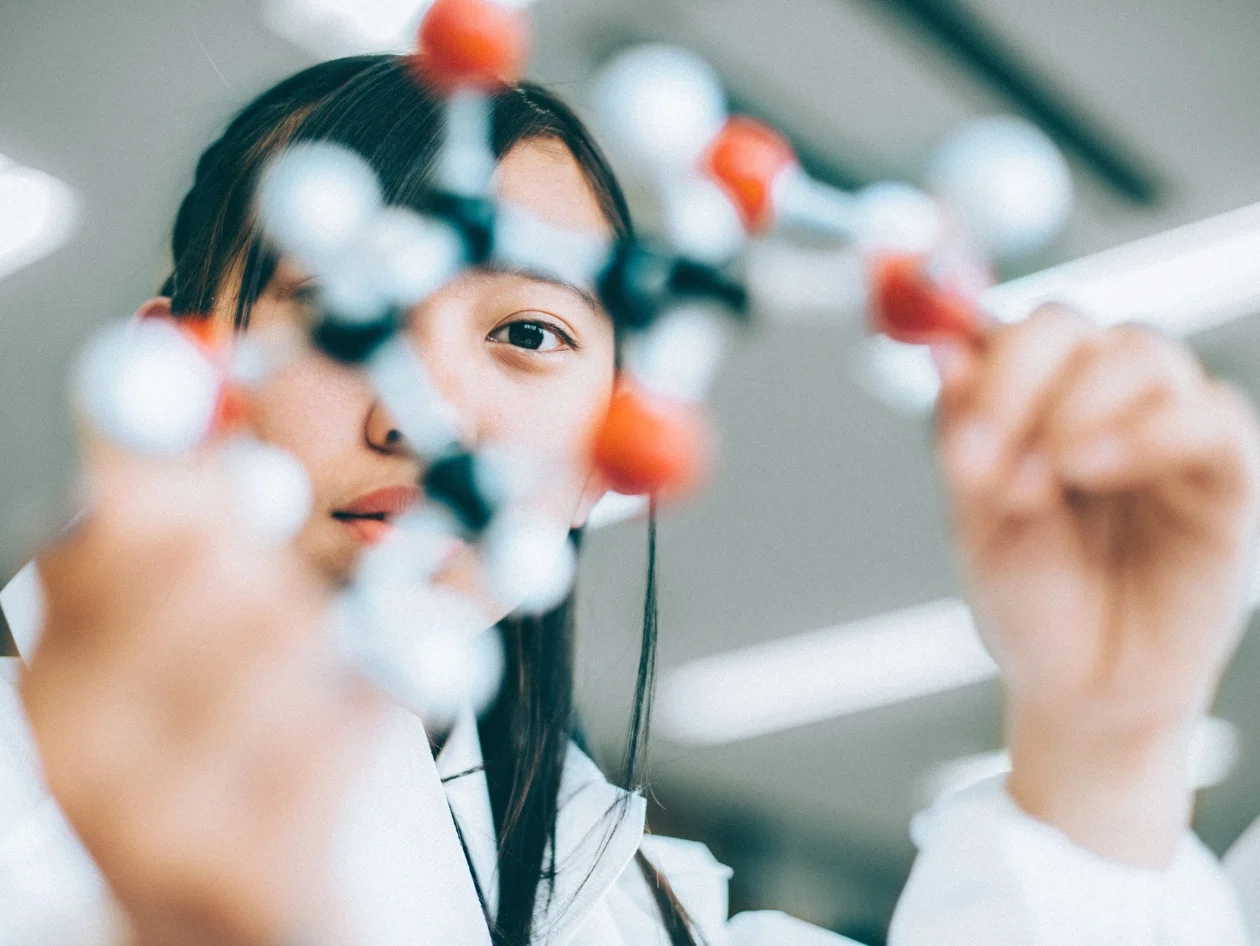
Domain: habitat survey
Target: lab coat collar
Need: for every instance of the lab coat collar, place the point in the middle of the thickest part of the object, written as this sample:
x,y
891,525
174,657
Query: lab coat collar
x,y
599,827
22,607
462,771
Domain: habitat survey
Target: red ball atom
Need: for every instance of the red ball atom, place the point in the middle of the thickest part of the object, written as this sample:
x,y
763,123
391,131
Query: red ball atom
x,y
233,411
745,158
649,445
907,306
209,334
478,44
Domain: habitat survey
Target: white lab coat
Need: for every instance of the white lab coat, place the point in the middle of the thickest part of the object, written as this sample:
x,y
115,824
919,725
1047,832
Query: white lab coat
x,y
1242,864
986,873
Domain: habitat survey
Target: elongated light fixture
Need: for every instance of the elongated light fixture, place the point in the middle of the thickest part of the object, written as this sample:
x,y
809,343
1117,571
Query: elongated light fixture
x,y
1182,281
37,215
803,678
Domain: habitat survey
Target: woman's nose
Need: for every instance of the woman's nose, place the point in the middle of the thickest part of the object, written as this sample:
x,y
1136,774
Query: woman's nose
x,y
439,337
382,432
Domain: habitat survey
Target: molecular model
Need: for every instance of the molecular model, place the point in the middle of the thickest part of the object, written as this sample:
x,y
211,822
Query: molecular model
x,y
722,180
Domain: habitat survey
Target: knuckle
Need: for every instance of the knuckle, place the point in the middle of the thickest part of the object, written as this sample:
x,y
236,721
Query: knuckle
x,y
1062,315
1048,333
1166,363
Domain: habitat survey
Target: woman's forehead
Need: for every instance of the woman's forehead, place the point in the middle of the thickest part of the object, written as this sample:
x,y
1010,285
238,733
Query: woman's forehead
x,y
542,176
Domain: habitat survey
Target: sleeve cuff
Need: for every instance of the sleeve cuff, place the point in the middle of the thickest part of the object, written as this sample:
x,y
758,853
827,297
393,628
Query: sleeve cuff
x,y
987,872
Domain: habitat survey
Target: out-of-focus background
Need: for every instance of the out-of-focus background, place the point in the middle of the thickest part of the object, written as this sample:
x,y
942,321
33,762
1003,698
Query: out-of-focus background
x,y
826,508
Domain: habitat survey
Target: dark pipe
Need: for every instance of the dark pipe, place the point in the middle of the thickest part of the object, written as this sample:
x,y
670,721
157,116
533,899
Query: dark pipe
x,y
952,26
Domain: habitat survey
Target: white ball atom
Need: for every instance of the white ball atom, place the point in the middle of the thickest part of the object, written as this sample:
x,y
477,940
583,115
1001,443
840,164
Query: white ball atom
x,y
417,254
427,646
701,221
530,564
892,216
680,355
317,198
898,375
148,387
1008,182
271,488
661,105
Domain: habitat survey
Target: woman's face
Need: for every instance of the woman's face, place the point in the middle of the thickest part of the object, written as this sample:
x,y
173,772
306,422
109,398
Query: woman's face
x,y
526,363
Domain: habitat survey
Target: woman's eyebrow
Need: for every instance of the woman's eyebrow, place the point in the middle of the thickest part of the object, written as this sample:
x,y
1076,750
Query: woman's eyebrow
x,y
498,267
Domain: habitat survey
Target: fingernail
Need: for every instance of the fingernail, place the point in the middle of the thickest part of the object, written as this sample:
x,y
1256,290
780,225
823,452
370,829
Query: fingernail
x,y
977,449
1099,456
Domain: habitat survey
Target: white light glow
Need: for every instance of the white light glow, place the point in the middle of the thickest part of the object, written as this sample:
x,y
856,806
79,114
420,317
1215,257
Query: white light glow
x,y
333,28
37,215
1182,281
822,674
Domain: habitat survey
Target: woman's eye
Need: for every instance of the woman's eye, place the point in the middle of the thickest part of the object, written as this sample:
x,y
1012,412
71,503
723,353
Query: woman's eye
x,y
534,336
307,298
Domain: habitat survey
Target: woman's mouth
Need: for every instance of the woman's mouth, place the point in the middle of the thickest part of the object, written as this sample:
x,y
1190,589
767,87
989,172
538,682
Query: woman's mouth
x,y
369,518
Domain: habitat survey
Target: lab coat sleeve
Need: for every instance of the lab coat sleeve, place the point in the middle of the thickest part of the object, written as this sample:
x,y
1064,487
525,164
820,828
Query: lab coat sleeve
x,y
50,890
987,873
1242,864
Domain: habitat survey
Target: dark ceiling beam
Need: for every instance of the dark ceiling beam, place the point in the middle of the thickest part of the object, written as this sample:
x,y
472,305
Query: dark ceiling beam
x,y
952,26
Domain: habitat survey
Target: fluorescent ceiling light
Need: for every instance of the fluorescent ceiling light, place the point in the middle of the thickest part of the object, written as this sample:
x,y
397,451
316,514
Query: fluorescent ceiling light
x,y
1213,756
821,674
806,678
331,28
1182,281
37,215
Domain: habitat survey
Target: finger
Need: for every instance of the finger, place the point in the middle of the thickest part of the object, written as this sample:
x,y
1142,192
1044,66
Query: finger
x,y
955,363
1131,367
983,435
1209,440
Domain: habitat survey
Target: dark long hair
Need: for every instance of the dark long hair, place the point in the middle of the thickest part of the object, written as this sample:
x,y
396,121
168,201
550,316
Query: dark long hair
x,y
372,104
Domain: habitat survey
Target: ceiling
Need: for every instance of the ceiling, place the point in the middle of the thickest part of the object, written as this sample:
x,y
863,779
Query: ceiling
x,y
826,505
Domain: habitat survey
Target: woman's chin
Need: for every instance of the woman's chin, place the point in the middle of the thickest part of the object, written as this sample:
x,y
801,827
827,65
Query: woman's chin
x,y
464,579
338,560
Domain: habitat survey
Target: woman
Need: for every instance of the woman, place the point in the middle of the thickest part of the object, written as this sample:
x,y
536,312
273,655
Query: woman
x,y
196,741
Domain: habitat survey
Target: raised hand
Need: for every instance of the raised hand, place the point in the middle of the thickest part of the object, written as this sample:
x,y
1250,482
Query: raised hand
x,y
1104,494
191,718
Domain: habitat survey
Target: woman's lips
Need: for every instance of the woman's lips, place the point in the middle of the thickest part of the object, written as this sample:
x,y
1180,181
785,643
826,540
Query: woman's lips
x,y
392,501
368,518
368,531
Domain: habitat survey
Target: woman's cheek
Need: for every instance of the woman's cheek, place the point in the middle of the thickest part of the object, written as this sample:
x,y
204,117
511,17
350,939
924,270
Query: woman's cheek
x,y
556,426
312,412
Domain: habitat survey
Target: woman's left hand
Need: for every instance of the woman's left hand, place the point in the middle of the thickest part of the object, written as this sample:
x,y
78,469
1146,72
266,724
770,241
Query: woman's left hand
x,y
1104,492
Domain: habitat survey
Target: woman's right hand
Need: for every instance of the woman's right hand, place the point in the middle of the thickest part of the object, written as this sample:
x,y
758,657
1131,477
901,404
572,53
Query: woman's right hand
x,y
191,716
